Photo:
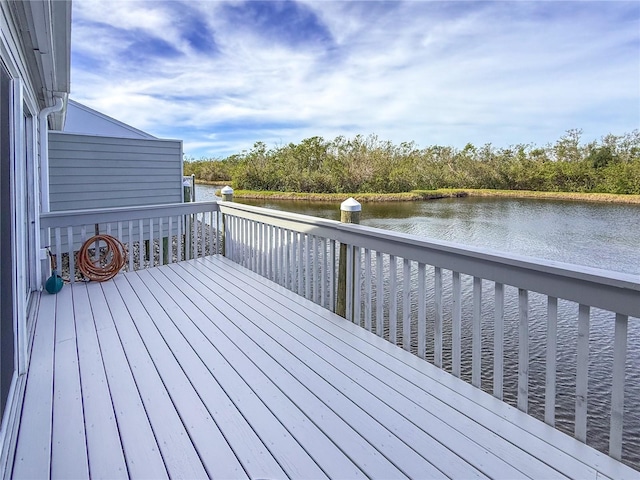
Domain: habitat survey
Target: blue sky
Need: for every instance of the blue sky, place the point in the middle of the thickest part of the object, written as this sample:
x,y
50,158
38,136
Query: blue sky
x,y
224,75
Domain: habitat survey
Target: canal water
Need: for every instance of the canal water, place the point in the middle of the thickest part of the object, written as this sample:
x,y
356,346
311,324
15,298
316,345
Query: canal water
x,y
605,236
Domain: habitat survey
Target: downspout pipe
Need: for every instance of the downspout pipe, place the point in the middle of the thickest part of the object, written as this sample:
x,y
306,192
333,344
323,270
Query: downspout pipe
x,y
44,151
43,131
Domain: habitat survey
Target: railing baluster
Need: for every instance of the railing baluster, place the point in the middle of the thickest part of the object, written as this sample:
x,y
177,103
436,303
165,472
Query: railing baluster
x,y
357,286
367,289
550,373
203,243
308,269
141,244
283,257
523,350
300,263
194,235
582,371
350,287
239,244
294,262
316,275
72,263
393,300
456,327
498,341
379,296
323,272
247,243
187,237
280,253
255,247
251,246
120,232
213,244
437,327
229,240
240,222
263,250
160,241
332,275
170,240
237,239
276,253
617,386
406,304
287,260
180,221
422,312
230,237
269,234
151,242
275,257
58,250
130,235
476,348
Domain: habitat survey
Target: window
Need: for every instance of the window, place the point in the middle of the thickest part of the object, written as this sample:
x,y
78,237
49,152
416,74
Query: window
x,y
7,350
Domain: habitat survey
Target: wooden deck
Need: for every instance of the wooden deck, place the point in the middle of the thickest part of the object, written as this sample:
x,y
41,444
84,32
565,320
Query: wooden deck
x,y
204,369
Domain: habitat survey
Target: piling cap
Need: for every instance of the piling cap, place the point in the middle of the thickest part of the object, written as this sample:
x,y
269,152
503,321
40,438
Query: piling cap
x,y
226,190
350,205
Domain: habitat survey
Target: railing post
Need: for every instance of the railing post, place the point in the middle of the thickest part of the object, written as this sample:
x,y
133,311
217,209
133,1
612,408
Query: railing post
x,y
227,196
349,213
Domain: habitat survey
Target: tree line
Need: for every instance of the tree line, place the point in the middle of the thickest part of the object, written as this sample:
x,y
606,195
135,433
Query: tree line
x,y
366,164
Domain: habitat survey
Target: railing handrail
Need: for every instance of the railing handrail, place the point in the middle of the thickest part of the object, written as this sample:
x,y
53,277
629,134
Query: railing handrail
x,y
615,291
72,218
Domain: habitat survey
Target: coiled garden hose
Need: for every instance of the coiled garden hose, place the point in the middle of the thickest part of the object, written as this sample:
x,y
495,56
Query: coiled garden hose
x,y
110,262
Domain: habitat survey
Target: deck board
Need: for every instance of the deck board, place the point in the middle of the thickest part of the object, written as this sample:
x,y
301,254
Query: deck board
x,y
571,457
263,396
69,449
176,447
409,401
205,369
104,448
381,426
142,454
436,403
33,451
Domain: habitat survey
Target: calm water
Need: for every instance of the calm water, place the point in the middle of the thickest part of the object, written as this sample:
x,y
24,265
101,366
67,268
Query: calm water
x,y
596,235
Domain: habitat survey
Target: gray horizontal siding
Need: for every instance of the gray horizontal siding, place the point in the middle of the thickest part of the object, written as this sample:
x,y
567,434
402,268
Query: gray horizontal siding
x,y
101,172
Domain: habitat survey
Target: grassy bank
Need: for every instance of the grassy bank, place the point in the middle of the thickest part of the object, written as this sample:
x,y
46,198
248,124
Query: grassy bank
x,y
417,195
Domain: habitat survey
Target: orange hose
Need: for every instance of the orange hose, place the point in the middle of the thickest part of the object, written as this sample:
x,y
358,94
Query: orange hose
x,y
113,258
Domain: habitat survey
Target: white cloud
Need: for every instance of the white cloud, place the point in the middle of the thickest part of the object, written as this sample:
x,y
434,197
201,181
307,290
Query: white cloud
x,y
432,72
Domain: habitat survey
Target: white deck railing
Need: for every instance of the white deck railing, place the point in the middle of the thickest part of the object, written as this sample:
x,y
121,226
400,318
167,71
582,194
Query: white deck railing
x,y
443,301
152,235
469,311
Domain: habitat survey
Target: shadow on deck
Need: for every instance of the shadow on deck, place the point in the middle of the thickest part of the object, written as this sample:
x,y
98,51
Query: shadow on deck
x,y
204,369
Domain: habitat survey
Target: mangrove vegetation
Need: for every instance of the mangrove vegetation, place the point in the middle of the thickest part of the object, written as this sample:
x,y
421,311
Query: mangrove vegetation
x,y
367,164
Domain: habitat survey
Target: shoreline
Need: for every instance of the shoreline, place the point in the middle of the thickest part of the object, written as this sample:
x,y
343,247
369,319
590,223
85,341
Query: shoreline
x,y
421,195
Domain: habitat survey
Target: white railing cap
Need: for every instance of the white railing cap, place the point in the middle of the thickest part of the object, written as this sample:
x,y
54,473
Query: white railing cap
x,y
350,205
226,190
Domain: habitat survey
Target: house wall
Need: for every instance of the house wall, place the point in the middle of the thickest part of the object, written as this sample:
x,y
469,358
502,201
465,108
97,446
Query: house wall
x,y
26,57
84,120
101,172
